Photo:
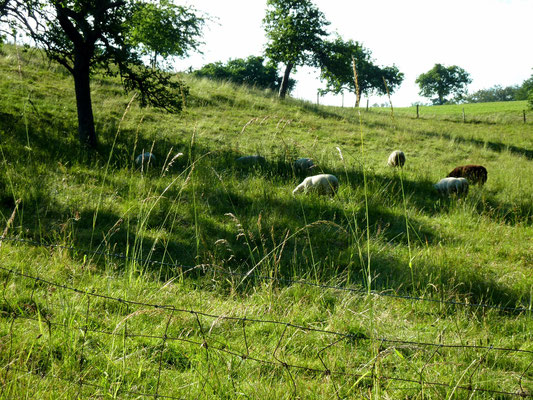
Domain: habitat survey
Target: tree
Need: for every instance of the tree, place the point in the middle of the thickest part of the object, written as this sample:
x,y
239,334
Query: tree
x,y
295,31
525,89
495,93
250,71
337,70
443,81
85,35
4,9
164,29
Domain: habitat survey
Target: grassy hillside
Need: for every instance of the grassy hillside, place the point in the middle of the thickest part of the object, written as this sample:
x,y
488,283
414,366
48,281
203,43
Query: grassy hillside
x,y
486,113
267,295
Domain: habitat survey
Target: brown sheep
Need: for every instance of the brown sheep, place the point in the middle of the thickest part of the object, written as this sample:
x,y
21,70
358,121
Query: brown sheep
x,y
474,173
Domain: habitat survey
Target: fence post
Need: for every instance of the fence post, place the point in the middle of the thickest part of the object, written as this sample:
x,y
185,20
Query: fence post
x,y
417,114
317,98
464,116
524,112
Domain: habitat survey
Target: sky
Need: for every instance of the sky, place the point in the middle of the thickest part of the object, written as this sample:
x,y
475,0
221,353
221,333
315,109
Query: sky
x,y
490,39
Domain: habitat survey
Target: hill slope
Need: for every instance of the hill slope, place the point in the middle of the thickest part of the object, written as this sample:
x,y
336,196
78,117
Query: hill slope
x,y
215,240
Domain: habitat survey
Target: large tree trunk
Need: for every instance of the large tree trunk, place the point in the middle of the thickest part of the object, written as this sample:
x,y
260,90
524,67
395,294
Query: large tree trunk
x,y
86,131
285,81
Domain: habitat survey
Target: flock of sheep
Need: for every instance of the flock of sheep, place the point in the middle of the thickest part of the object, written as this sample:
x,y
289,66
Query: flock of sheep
x,y
458,180
456,183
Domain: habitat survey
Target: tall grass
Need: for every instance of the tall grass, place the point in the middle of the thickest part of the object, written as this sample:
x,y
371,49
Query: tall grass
x,y
204,235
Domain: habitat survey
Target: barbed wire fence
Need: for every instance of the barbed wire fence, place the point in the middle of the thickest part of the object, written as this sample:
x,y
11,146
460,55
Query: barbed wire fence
x,y
232,341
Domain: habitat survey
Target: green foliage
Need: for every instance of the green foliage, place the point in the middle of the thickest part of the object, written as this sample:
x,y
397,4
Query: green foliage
x,y
499,93
495,93
87,35
164,29
337,69
295,32
444,81
530,99
251,71
5,8
525,89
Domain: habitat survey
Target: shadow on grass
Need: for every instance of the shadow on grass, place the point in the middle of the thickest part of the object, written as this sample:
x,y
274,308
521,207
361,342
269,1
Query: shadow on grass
x,y
331,243
496,147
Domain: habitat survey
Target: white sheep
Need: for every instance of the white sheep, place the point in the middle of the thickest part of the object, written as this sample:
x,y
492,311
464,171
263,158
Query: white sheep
x,y
449,186
321,184
251,160
396,159
144,158
303,165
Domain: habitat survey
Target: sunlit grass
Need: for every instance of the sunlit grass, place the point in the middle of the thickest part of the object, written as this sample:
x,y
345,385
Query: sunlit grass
x,y
250,238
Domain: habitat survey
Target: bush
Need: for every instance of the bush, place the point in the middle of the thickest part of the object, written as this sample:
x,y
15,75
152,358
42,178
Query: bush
x,y
250,71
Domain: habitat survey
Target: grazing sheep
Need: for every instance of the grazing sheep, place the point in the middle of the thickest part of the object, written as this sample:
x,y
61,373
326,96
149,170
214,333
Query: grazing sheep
x,y
321,184
251,160
396,159
303,165
449,186
473,173
144,159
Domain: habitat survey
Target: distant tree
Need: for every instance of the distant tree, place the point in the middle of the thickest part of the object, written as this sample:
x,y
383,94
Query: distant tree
x,y
525,89
251,71
337,70
85,35
164,29
443,81
495,93
295,31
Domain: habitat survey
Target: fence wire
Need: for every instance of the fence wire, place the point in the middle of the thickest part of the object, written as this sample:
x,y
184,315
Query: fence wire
x,y
206,343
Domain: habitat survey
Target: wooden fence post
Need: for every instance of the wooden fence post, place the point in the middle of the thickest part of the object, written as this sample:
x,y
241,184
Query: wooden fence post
x,y
464,116
417,114
524,112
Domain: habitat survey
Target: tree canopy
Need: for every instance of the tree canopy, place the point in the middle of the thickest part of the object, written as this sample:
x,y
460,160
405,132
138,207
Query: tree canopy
x,y
251,71
295,30
85,35
444,81
337,70
3,7
164,29
525,90
495,93
4,10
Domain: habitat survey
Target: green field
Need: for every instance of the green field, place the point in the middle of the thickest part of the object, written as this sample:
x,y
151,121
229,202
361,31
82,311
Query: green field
x,y
487,113
196,277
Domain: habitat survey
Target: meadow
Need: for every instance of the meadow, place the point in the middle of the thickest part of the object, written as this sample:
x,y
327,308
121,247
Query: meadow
x,y
195,277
